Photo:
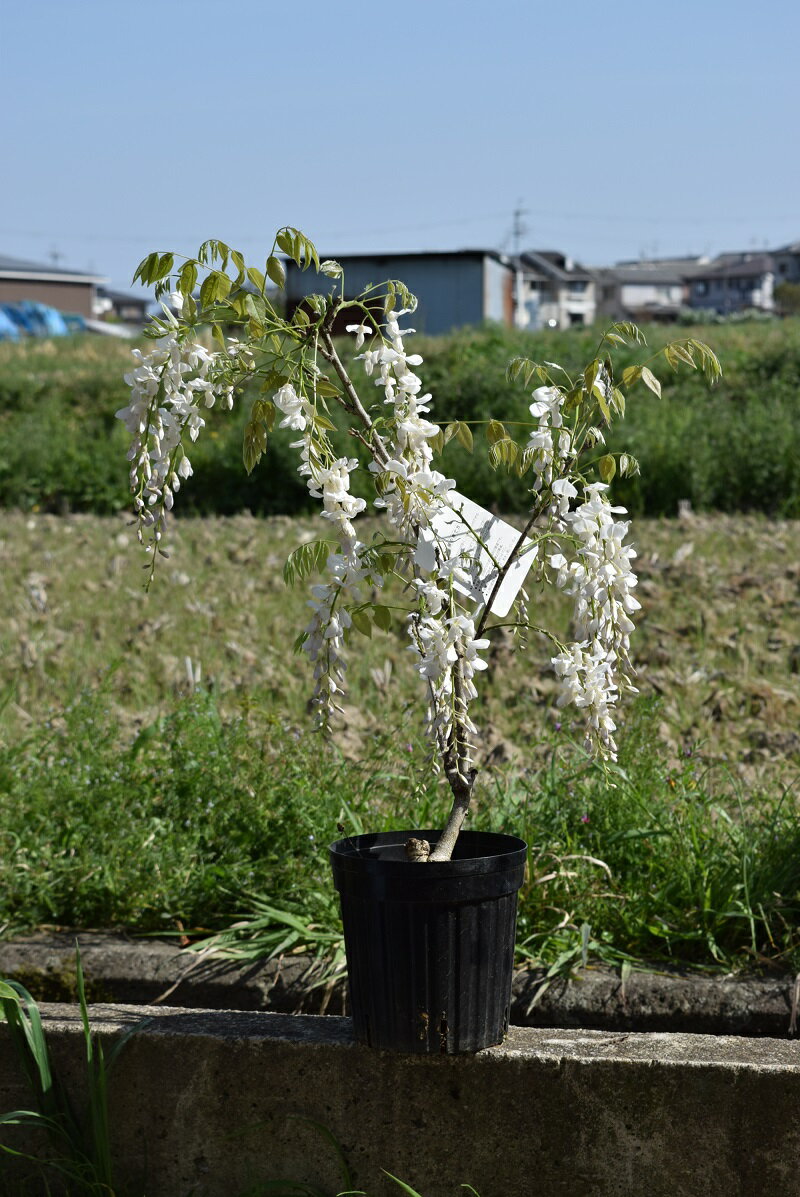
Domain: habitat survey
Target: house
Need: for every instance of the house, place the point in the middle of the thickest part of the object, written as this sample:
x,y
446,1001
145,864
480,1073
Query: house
x,y
646,289
67,290
120,305
787,263
454,288
734,282
553,291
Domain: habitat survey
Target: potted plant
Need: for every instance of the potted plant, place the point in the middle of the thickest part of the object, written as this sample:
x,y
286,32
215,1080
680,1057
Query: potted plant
x,y
428,915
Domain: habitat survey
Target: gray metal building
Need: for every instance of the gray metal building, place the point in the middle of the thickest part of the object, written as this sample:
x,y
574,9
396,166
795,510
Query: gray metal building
x,y
454,288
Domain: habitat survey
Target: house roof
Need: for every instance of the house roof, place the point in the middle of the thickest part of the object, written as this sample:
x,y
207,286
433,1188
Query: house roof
x,y
737,266
44,272
550,264
656,271
658,275
420,255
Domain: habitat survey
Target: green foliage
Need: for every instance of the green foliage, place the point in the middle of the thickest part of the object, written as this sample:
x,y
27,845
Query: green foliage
x,y
787,297
736,448
80,1155
198,812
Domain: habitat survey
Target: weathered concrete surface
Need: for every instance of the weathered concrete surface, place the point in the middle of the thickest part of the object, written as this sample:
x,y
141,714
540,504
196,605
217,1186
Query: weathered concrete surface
x,y
210,1102
121,969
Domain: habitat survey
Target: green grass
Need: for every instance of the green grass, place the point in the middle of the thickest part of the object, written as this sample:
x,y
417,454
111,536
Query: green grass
x,y
174,830
133,795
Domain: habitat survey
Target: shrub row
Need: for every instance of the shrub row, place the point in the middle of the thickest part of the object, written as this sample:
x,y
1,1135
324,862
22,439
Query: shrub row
x,y
736,448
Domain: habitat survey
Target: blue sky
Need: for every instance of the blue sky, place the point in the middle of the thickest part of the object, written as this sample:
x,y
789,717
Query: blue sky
x,y
621,130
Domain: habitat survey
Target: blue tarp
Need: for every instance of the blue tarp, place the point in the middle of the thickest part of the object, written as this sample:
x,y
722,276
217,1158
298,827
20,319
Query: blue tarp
x,y
8,329
32,319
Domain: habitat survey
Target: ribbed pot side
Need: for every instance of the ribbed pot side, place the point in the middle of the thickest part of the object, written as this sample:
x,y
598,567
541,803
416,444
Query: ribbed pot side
x,y
430,947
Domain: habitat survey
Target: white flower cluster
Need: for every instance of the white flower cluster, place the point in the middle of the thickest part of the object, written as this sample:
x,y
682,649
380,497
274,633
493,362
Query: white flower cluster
x,y
550,444
330,482
444,640
170,386
324,634
413,490
448,651
601,582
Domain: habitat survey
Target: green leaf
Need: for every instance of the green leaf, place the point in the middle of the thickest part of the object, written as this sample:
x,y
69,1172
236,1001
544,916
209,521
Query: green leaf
x,y
631,374
165,264
276,271
361,622
321,421
607,467
402,1184
437,442
628,466
300,317
382,617
495,431
678,350
142,271
254,444
649,379
256,277
285,242
464,435
573,398
187,278
238,262
306,559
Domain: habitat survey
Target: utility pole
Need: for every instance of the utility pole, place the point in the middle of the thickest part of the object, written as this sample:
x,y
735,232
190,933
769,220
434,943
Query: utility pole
x,y
518,230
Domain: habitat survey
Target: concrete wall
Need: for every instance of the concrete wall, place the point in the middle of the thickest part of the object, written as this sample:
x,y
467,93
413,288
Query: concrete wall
x,y
210,1103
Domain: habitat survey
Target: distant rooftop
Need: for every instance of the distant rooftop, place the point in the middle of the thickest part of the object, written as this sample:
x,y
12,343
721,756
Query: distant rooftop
x,y
21,268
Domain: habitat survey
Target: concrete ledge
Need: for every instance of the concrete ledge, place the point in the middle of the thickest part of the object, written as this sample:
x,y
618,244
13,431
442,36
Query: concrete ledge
x,y
206,1102
120,969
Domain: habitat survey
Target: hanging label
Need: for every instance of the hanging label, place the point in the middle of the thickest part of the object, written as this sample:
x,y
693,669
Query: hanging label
x,y
484,543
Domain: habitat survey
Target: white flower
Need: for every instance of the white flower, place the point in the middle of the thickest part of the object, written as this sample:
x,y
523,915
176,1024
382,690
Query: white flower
x,y
362,331
293,407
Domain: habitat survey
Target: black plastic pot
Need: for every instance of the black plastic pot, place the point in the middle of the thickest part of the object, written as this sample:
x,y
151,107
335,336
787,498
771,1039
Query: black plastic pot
x,y
430,947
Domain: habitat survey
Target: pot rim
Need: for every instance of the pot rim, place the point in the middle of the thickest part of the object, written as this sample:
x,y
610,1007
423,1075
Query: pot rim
x,y
492,852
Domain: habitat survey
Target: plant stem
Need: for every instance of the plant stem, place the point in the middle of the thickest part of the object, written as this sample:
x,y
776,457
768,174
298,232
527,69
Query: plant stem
x,y
352,403
461,774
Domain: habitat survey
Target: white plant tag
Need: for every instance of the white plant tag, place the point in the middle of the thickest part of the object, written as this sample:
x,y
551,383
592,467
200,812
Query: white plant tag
x,y
455,530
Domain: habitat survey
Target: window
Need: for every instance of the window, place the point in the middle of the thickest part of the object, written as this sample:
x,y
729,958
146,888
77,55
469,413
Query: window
x,y
576,287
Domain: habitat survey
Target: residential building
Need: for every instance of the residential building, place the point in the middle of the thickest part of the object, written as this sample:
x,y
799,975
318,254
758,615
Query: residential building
x,y
454,288
67,290
734,282
646,289
121,305
787,263
553,291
